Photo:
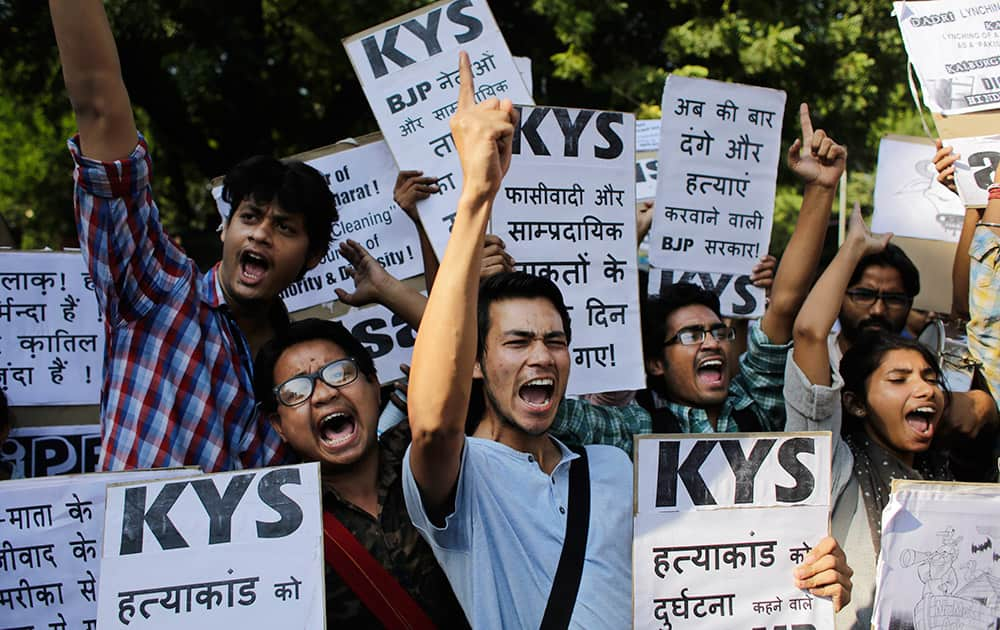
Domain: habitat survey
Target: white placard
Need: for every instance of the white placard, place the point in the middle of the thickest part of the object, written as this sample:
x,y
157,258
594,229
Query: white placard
x,y
720,143
227,550
389,339
52,450
566,211
362,180
647,135
721,522
408,68
955,47
938,567
909,201
645,175
738,297
524,69
50,547
51,330
977,166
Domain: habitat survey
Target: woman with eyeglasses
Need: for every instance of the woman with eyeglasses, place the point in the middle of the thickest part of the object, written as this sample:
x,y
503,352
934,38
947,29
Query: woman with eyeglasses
x,y
882,408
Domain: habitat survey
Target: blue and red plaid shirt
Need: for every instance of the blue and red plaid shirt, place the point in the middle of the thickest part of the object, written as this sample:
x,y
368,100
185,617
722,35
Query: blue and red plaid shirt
x,y
178,372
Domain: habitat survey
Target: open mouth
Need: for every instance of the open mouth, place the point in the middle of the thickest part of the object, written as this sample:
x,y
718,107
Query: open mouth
x,y
253,267
336,429
921,419
710,372
537,392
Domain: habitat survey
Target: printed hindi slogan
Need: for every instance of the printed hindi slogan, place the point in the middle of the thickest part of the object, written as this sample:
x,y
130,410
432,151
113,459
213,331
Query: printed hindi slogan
x,y
50,547
955,47
940,556
51,330
721,143
408,68
362,180
566,212
721,521
226,550
52,450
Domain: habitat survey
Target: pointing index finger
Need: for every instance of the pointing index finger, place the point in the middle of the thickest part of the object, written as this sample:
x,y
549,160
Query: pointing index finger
x,y
466,98
806,123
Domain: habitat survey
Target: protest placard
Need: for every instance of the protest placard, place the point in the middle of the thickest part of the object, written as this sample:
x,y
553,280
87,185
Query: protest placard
x,y
386,335
647,135
909,201
408,68
645,175
954,45
524,69
226,550
737,295
54,450
976,167
362,180
50,547
722,142
721,521
566,211
940,552
51,330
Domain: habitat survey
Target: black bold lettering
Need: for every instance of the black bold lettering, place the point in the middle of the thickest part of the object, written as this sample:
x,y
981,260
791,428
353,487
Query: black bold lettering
x,y
472,24
529,127
364,332
220,509
688,472
405,336
749,301
269,490
987,159
666,474
428,33
711,285
805,483
135,514
615,144
374,52
572,129
745,468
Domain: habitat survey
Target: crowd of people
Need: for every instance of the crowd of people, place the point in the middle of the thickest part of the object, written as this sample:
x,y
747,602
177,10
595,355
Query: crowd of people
x,y
463,499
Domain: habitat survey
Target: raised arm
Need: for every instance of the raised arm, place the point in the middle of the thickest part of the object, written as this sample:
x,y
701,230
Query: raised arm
x,y
984,312
93,79
411,187
823,303
373,284
445,350
819,162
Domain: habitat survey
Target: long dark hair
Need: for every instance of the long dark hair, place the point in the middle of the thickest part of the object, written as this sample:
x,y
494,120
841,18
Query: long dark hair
x,y
866,355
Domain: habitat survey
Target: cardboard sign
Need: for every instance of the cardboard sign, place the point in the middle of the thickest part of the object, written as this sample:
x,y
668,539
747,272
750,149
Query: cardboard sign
x,y
737,295
976,168
229,550
566,211
55,450
51,330
955,47
909,201
389,339
939,558
50,547
721,521
408,68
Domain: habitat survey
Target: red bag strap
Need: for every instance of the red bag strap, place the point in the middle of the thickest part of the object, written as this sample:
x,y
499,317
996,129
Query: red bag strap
x,y
374,586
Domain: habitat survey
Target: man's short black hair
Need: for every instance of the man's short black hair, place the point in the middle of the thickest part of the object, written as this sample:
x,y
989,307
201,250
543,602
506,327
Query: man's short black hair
x,y
301,332
656,309
516,284
297,187
891,256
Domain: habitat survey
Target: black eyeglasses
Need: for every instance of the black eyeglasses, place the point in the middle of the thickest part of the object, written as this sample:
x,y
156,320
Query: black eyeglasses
x,y
299,389
867,297
692,336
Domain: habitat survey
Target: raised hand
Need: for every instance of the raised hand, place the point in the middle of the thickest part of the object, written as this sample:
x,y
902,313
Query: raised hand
x,y
410,188
369,276
483,135
815,157
495,257
859,234
944,162
826,573
762,274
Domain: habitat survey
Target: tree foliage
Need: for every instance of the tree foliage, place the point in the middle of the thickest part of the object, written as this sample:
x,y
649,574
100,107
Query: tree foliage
x,y
215,82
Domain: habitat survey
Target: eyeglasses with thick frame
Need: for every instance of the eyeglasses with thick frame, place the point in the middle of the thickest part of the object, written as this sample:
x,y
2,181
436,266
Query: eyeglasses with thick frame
x,y
867,297
299,389
694,335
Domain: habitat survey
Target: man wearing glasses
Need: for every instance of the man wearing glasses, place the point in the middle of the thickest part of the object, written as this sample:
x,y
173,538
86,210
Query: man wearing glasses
x,y
317,386
879,297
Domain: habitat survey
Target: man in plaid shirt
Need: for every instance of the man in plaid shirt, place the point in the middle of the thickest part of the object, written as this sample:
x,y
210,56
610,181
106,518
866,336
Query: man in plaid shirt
x,y
178,385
